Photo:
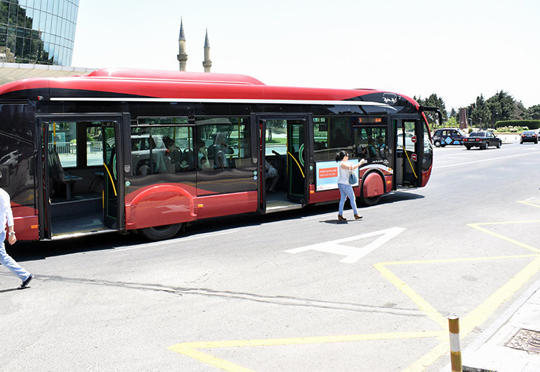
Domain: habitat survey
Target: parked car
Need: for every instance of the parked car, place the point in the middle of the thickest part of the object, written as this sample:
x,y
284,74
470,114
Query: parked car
x,y
448,136
529,136
482,139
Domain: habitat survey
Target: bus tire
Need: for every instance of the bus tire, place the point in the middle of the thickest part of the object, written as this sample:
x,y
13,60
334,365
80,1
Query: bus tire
x,y
161,232
368,202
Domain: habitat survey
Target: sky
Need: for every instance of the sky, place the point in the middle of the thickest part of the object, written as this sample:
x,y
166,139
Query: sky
x,y
457,49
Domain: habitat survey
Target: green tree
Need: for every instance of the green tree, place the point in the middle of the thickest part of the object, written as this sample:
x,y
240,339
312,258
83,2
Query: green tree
x,y
534,112
501,107
433,101
480,114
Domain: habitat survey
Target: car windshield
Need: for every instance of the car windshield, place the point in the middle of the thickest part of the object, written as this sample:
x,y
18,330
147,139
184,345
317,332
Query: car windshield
x,y
477,134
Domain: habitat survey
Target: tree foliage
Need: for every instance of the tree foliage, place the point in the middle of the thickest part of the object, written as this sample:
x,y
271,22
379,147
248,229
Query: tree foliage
x,y
534,112
433,101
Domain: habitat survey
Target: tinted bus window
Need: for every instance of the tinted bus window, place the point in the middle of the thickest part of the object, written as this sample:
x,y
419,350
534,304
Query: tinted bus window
x,y
223,142
162,150
330,135
371,143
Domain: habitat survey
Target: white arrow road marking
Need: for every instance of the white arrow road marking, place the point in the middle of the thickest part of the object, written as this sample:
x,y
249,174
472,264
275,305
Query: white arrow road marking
x,y
352,254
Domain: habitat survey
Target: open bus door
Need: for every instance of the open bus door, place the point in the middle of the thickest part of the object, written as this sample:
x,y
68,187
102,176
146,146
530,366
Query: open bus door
x,y
409,144
83,161
282,145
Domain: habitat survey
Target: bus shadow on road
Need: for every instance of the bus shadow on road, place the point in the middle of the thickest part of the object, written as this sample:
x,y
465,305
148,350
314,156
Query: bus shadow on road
x,y
28,251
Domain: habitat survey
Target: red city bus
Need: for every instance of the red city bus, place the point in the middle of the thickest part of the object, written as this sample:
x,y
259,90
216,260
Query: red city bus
x,y
143,150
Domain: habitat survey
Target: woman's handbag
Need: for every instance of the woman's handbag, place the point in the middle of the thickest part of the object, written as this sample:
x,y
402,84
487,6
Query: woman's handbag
x,y
353,178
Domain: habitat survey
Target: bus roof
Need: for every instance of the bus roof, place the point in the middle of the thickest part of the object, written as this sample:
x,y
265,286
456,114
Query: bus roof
x,y
215,78
133,84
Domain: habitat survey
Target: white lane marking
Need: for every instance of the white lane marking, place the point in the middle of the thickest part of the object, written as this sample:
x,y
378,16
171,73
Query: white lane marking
x,y
352,254
481,160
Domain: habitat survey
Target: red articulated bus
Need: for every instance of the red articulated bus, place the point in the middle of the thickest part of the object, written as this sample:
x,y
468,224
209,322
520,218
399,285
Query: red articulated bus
x,y
144,150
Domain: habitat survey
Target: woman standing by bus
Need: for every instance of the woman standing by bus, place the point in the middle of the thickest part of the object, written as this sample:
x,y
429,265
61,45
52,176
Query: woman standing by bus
x,y
345,170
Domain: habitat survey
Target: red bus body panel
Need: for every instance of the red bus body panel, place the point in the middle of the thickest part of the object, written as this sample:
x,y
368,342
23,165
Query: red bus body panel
x,y
26,222
169,203
157,205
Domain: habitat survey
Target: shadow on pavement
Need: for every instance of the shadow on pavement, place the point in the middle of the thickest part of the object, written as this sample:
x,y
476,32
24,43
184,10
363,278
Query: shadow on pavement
x,y
23,251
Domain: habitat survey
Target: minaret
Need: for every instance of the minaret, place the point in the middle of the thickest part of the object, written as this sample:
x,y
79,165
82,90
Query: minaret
x,y
207,63
182,55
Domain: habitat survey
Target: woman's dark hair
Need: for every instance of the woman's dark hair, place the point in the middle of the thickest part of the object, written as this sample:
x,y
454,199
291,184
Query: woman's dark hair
x,y
340,155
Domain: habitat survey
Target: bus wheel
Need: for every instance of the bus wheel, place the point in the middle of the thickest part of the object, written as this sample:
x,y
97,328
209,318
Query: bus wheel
x,y
368,202
161,232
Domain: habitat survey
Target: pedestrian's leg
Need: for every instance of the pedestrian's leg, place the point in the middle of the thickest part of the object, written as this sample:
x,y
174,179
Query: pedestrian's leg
x,y
343,195
352,199
7,261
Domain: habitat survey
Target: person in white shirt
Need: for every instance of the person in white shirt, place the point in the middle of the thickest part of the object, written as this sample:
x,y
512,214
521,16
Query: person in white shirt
x,y
6,216
345,189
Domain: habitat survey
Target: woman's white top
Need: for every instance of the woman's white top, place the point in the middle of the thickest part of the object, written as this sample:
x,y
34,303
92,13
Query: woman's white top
x,y
343,174
5,210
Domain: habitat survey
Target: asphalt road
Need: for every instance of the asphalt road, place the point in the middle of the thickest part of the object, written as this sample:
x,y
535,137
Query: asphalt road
x,y
293,291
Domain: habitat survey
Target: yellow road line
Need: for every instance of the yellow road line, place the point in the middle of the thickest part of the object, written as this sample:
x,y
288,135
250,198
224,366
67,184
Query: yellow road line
x,y
487,308
451,260
529,203
475,318
416,298
209,359
510,240
191,348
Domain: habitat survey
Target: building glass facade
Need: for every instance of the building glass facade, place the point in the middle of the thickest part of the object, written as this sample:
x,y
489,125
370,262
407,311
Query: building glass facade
x,y
38,31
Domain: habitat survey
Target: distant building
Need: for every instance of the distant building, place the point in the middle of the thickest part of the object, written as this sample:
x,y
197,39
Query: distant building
x,y
182,52
38,31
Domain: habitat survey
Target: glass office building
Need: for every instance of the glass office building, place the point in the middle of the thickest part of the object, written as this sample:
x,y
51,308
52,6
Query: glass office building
x,y
38,31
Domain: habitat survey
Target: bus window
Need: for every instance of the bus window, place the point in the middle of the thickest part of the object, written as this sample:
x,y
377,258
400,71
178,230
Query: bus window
x,y
94,146
63,139
162,150
276,137
371,143
341,133
320,138
330,135
223,143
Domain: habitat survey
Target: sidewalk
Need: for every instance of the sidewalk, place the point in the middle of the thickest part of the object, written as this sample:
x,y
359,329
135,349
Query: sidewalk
x,y
512,343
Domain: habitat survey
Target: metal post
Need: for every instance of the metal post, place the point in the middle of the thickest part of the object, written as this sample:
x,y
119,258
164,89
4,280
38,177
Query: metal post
x,y
455,350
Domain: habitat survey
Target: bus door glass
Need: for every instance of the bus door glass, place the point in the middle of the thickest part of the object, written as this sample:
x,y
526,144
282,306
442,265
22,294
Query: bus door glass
x,y
409,152
296,159
110,166
81,181
282,163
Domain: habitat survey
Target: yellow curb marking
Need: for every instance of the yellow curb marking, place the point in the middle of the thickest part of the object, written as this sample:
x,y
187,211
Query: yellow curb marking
x,y
475,318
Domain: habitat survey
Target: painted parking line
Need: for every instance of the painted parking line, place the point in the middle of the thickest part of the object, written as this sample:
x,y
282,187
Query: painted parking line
x,y
192,349
470,321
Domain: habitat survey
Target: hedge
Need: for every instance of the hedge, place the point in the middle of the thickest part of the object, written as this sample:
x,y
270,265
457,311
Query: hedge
x,y
531,124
